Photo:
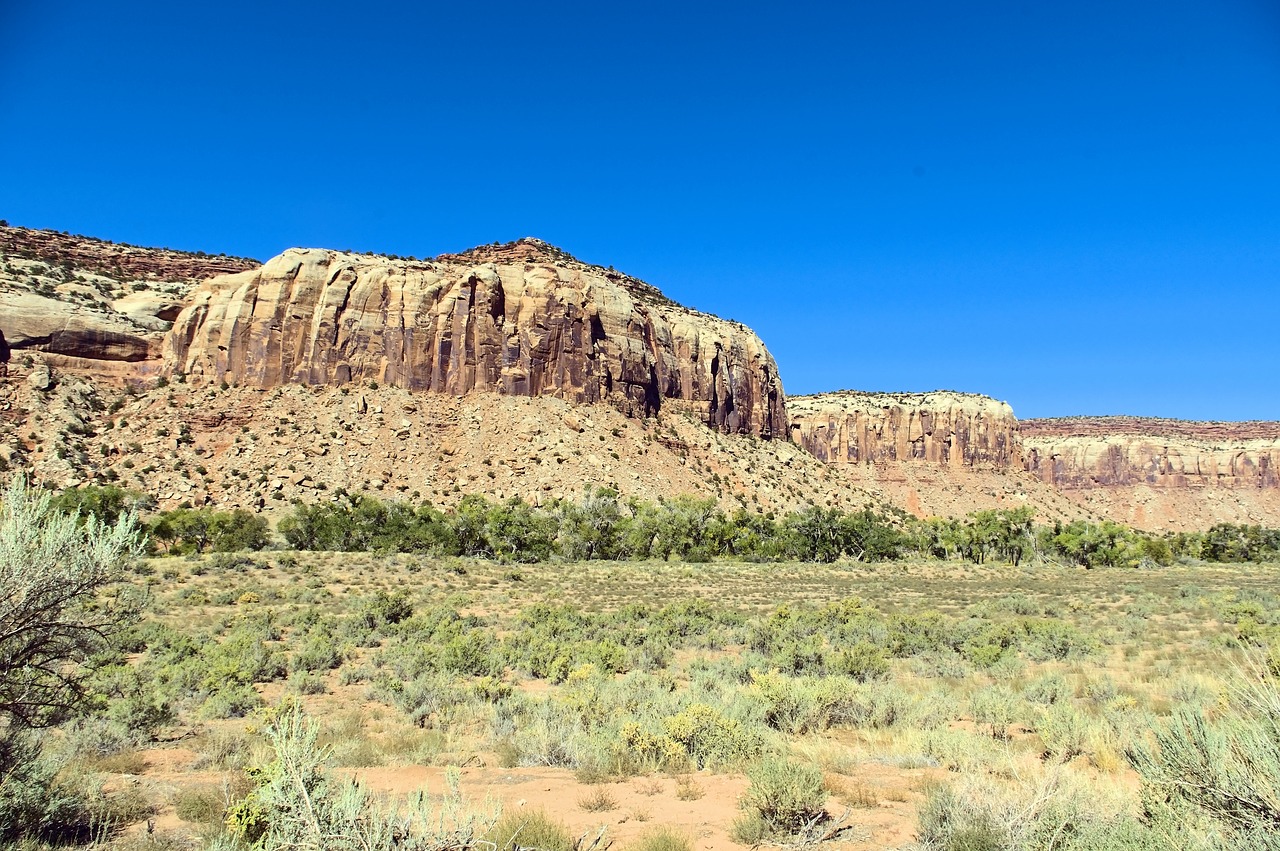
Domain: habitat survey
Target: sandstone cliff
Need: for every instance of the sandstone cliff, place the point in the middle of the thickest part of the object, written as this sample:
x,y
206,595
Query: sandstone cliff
x,y
523,319
952,429
1160,474
1084,452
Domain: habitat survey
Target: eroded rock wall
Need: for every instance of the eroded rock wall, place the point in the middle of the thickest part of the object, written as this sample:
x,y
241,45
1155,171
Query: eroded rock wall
x,y
522,319
1091,452
944,428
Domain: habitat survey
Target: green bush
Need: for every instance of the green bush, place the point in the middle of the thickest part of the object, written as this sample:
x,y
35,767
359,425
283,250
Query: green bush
x,y
996,708
710,738
787,796
863,661
34,803
945,824
1064,731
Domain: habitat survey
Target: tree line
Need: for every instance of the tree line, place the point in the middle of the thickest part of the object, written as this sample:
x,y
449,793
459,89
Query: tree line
x,y
603,525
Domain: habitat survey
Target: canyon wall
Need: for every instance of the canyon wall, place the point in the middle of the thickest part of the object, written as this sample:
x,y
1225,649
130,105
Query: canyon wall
x,y
1087,452
944,428
522,319
1160,474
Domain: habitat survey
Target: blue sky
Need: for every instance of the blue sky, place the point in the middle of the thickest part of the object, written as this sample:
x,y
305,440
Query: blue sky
x,y
1074,207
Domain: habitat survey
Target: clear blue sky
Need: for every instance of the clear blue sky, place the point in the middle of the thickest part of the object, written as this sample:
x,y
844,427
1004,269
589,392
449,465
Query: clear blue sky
x,y
1074,207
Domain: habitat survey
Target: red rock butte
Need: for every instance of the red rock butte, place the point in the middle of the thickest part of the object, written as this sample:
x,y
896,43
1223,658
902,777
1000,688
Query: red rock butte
x,y
522,319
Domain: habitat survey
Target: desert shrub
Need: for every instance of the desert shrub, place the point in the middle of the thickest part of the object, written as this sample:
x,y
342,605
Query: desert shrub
x,y
295,803
863,661
384,608
787,796
1064,731
911,634
1051,811
804,704
550,734
945,824
34,803
941,663
428,699
236,700
698,736
1047,689
319,652
243,659
996,708
598,801
961,750
532,829
710,738
749,829
204,805
1225,771
662,839
93,737
306,682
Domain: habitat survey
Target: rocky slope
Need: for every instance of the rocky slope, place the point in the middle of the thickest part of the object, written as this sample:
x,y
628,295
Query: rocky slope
x,y
940,453
518,320
114,260
246,447
93,305
1160,473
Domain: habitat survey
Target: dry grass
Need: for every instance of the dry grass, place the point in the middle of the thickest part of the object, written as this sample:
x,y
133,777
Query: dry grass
x,y
1163,644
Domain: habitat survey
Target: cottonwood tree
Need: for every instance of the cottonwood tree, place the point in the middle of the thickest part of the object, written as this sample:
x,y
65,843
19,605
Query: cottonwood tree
x,y
52,567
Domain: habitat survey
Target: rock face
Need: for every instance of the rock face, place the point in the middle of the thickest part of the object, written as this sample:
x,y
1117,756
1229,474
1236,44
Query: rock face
x,y
952,429
34,322
523,319
92,305
1091,452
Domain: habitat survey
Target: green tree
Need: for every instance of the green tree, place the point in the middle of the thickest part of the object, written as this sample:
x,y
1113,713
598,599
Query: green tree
x,y
234,531
515,531
592,530
814,534
107,503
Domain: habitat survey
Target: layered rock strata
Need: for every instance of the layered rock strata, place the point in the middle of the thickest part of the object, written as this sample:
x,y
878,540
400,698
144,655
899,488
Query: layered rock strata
x,y
115,260
1091,452
523,319
944,428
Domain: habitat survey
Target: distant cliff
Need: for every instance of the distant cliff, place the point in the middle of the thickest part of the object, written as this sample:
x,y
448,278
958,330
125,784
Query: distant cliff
x,y
1089,452
945,428
523,319
116,260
